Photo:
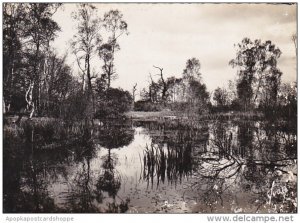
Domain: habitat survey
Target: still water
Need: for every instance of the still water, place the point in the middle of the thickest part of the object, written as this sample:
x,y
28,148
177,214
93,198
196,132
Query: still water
x,y
159,167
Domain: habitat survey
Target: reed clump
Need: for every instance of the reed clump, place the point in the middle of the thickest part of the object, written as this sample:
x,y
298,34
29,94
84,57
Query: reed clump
x,y
171,162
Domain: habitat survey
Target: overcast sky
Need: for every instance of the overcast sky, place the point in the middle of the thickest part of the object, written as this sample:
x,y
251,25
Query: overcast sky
x,y
166,35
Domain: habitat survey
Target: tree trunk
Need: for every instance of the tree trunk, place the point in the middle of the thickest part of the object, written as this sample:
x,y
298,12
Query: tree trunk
x,y
29,99
3,101
90,88
164,90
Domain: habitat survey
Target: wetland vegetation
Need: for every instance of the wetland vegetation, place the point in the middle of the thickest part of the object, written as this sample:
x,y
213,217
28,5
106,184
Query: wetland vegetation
x,y
72,143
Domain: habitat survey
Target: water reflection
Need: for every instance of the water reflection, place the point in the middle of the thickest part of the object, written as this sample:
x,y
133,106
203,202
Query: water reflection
x,y
225,167
28,178
109,181
172,162
257,163
113,135
80,197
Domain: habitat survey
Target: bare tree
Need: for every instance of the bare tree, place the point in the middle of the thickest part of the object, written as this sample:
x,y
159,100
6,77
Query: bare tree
x,y
164,84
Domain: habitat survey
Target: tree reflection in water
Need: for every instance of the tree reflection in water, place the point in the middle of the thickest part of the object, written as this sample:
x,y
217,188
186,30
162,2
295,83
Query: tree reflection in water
x,y
29,174
81,196
239,157
259,164
90,190
112,136
109,181
224,167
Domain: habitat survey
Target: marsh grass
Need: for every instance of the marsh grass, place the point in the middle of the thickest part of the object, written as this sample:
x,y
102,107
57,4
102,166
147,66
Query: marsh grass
x,y
170,162
46,133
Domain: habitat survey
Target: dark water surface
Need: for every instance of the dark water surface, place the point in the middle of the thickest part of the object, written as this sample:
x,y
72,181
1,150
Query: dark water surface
x,y
159,167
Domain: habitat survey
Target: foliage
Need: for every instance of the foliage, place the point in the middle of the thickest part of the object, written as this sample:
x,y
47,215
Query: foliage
x,y
39,82
116,26
258,75
28,31
188,90
84,45
112,103
287,102
192,70
147,106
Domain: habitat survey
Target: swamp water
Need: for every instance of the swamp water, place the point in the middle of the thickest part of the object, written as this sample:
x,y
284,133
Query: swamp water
x,y
159,167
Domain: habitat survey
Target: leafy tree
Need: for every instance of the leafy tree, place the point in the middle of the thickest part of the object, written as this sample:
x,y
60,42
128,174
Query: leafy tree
x,y
192,70
271,89
257,71
40,30
84,45
172,85
116,102
56,86
221,97
198,97
194,92
28,31
231,92
244,91
287,101
115,25
13,32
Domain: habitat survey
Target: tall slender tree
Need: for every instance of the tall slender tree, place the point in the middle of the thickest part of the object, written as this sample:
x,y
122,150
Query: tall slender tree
x,y
195,92
28,31
84,45
115,25
40,31
14,19
192,70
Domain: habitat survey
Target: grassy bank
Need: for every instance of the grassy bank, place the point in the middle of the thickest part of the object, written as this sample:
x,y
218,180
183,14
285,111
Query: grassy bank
x,y
167,114
155,115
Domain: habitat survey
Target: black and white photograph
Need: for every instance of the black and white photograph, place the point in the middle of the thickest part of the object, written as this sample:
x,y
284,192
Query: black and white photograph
x,y
149,108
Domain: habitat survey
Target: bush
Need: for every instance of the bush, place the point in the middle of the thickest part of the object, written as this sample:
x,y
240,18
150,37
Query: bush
x,y
75,107
112,103
147,106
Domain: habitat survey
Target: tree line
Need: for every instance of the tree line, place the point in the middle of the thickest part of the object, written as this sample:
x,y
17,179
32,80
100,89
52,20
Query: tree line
x,y
257,86
36,81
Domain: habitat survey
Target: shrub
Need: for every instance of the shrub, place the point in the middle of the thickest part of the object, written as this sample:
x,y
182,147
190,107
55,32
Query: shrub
x,y
147,106
113,103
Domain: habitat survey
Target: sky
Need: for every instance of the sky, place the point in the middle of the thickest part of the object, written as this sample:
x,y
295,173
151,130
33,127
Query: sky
x,y
167,35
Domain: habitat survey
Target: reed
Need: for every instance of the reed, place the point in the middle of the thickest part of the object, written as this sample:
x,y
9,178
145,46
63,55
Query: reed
x,y
167,162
